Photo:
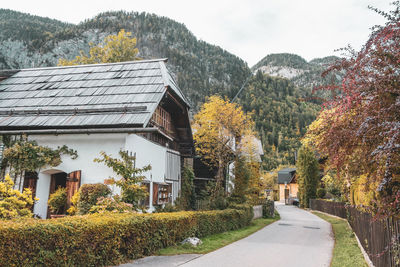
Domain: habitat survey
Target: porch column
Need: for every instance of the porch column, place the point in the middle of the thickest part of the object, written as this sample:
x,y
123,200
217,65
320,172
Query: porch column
x,y
42,193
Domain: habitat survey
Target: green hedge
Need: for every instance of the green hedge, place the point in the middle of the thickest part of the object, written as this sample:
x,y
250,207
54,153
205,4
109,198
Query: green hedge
x,y
106,239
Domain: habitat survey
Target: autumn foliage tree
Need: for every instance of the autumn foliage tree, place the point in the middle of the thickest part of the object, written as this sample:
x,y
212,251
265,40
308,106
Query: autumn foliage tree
x,y
115,48
361,131
218,127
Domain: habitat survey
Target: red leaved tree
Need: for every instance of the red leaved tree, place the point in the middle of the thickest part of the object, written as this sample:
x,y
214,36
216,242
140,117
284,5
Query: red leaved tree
x,y
363,129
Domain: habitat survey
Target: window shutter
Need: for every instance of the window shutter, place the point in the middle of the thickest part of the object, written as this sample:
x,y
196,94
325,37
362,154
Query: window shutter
x,y
147,199
72,185
155,194
30,182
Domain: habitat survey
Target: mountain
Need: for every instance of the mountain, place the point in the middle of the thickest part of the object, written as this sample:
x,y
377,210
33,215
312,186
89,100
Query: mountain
x,y
303,74
281,117
201,69
281,96
28,28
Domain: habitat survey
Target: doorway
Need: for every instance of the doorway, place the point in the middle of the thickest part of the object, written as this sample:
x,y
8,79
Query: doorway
x,y
58,180
71,182
286,196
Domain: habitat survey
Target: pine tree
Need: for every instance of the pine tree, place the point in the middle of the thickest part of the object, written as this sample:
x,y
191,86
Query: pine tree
x,y
242,177
307,175
187,198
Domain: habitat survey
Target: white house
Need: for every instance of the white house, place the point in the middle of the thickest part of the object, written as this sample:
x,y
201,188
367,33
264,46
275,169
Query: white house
x,y
252,150
134,106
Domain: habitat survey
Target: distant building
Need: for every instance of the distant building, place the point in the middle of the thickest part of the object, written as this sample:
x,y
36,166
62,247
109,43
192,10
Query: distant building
x,y
252,153
206,172
288,186
133,106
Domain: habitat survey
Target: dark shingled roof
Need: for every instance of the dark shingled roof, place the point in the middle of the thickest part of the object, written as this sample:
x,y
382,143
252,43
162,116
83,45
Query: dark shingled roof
x,y
286,175
114,94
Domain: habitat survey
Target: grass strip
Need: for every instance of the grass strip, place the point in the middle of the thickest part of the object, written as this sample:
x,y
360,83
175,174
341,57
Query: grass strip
x,y
213,242
346,251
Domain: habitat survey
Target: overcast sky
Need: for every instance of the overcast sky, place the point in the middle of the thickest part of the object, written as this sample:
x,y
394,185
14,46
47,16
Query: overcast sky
x,y
249,29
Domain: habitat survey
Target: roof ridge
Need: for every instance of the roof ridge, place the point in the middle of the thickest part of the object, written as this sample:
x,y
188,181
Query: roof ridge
x,y
95,64
167,82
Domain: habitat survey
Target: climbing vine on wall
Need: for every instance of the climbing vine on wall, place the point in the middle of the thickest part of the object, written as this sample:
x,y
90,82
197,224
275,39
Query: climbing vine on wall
x,y
23,155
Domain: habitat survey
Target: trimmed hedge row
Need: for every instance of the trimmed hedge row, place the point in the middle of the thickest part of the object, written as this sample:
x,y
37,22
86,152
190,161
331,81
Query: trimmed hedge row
x,y
106,239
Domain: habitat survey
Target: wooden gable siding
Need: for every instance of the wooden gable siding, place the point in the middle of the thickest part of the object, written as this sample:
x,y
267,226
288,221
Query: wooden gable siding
x,y
162,119
172,118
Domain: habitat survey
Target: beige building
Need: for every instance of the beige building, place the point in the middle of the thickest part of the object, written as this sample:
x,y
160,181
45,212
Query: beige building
x,y
288,186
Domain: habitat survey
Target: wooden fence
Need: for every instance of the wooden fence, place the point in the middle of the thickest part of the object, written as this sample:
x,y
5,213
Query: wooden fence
x,y
379,238
334,208
202,204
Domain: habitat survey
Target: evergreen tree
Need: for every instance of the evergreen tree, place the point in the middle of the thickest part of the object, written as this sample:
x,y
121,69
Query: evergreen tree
x,y
187,198
242,177
307,175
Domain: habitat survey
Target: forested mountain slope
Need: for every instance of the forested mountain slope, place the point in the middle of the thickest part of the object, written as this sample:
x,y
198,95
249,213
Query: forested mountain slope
x,y
281,116
305,75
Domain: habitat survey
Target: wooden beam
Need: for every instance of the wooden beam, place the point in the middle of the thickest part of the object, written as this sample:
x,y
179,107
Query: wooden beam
x,y
176,101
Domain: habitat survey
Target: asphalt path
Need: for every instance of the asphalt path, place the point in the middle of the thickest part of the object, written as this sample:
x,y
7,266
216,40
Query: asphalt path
x,y
299,238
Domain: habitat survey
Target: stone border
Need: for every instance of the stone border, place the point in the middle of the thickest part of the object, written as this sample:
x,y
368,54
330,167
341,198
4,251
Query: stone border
x,y
257,211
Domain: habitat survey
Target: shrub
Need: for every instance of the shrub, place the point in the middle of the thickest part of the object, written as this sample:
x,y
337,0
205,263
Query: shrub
x,y
108,238
111,204
58,200
239,206
167,208
74,204
89,195
321,192
13,203
268,209
214,196
131,190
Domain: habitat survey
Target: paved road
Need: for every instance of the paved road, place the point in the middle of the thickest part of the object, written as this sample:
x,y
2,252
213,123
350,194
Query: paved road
x,y
298,239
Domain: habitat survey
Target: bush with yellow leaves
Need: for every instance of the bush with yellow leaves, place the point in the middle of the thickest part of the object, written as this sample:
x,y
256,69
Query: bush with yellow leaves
x,y
13,203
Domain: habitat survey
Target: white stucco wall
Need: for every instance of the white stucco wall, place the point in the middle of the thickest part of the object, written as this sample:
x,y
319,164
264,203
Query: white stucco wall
x,y
89,148
148,152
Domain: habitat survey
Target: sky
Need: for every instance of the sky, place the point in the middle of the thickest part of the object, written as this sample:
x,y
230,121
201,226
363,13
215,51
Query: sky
x,y
249,29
